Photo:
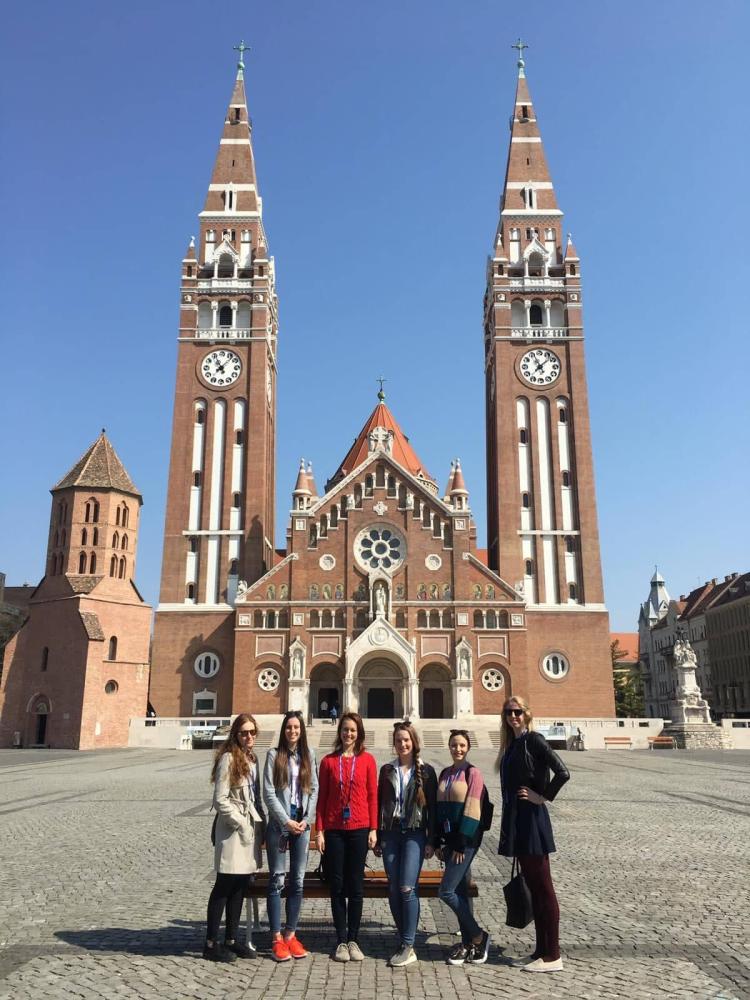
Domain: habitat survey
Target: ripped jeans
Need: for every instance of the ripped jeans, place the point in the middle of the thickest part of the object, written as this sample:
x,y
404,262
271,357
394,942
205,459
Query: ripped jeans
x,y
403,854
297,848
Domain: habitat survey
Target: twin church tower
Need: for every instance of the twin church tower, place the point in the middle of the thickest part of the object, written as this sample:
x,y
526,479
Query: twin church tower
x,y
381,600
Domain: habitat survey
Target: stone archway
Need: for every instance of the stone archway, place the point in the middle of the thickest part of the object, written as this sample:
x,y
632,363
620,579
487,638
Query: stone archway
x,y
380,684
435,692
37,728
326,688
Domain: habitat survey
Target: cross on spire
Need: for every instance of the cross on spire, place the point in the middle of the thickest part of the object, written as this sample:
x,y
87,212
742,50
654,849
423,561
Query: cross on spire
x,y
520,46
381,394
242,49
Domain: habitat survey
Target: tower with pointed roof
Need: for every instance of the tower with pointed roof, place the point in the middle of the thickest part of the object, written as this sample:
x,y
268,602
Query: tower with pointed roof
x,y
78,671
220,501
541,508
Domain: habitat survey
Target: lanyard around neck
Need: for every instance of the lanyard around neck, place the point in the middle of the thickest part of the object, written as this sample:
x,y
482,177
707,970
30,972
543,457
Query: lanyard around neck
x,y
351,778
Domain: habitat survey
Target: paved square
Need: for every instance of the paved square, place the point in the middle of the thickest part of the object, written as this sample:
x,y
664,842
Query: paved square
x,y
107,869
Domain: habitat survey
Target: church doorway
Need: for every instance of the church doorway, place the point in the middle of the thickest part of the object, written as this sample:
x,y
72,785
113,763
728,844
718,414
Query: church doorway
x,y
326,690
38,722
381,690
435,701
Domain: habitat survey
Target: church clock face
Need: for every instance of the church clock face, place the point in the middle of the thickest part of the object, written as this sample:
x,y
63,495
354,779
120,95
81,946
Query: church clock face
x,y
539,367
221,368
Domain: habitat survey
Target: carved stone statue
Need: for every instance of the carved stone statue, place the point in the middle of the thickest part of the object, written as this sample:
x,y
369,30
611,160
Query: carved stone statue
x,y
464,663
380,438
689,705
381,600
241,590
298,664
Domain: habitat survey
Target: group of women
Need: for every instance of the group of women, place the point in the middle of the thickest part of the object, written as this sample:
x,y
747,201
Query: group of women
x,y
405,814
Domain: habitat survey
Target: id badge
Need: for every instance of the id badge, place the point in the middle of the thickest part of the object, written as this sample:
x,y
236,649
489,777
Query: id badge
x,y
346,814
446,826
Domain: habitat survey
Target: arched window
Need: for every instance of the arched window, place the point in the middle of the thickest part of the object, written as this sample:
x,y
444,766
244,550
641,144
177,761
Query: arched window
x,y
63,537
400,619
124,543
113,566
314,619
434,619
529,567
82,563
562,415
84,537
121,572
536,317
225,316
283,619
125,516
112,651
313,542
478,619
361,619
525,500
421,619
368,486
271,619
491,619
523,435
258,619
95,536
92,563
572,592
339,619
117,516
115,540
191,591
391,486
327,620
45,658
87,515
566,478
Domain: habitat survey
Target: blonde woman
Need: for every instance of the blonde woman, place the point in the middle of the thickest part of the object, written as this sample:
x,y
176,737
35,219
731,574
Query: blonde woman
x,y
238,837
525,762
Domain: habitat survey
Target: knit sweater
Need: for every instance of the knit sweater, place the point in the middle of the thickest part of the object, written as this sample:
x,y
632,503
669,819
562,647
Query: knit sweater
x,y
459,806
361,795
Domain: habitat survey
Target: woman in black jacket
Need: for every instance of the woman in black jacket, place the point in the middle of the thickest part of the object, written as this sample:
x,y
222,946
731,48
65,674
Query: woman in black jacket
x,y
407,793
525,762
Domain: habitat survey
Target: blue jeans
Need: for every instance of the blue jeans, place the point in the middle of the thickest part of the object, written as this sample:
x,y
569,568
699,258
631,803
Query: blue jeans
x,y
403,854
453,892
298,846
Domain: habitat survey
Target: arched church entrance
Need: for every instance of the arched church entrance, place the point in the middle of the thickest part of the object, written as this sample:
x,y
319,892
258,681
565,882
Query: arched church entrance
x,y
36,734
435,701
381,690
326,689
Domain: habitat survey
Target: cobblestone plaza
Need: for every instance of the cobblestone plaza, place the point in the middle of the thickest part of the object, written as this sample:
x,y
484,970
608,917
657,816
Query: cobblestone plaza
x,y
107,869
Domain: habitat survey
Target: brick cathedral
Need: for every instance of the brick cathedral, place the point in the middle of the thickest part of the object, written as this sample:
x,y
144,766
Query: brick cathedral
x,y
381,600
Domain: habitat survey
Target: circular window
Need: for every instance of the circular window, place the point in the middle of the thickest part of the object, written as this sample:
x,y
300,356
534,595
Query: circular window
x,y
327,562
269,679
433,562
207,664
111,687
380,548
555,666
492,679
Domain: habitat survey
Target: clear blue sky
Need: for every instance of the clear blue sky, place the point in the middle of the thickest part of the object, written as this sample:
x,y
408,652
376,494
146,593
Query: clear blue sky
x,y
380,137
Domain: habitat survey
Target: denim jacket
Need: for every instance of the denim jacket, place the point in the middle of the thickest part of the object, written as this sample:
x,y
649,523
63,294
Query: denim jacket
x,y
278,800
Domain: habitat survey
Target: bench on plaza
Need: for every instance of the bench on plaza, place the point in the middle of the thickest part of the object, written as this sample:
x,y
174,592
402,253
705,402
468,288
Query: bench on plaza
x,y
667,742
617,741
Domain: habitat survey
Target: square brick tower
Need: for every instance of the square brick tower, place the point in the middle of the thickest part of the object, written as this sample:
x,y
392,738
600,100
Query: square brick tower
x,y
77,671
220,500
542,522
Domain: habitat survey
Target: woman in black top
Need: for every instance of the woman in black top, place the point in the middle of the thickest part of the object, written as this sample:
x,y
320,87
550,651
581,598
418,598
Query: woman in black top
x,y
525,830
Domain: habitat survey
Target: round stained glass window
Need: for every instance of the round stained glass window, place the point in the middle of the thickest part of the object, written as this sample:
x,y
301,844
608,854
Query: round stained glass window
x,y
380,548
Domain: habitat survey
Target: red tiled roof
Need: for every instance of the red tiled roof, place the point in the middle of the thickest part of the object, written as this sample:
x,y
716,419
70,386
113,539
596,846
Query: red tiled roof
x,y
402,451
628,643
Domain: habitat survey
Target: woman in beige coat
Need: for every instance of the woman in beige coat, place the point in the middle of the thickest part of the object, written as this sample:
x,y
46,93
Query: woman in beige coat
x,y
238,837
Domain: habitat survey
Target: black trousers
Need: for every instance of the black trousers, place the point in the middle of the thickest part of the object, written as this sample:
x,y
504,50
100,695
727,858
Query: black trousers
x,y
227,894
346,851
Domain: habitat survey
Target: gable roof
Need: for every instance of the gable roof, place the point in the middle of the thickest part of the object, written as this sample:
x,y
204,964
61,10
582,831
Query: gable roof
x,y
99,468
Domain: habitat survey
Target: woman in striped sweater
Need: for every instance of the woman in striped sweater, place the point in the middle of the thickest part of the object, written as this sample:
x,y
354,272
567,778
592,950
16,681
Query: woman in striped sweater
x,y
459,810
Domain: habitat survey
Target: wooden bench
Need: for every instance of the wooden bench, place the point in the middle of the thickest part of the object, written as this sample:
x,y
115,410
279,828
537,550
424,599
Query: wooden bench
x,y
667,742
617,741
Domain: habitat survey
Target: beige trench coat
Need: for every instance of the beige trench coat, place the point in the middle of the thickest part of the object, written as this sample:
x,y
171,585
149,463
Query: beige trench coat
x,y
239,826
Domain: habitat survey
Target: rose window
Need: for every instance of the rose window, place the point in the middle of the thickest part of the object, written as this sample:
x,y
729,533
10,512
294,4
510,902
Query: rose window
x,y
380,548
492,679
269,679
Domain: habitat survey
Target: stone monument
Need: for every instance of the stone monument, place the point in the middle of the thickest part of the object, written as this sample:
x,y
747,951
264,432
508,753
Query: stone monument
x,y
690,726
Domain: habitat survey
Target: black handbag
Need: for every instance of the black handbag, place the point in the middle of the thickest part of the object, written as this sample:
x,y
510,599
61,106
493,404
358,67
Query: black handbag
x,y
520,912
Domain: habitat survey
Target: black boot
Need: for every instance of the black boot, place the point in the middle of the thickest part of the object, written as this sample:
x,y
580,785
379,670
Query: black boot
x,y
215,953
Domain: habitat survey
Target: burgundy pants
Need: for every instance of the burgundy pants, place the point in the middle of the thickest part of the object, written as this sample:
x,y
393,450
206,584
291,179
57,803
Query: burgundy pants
x,y
535,869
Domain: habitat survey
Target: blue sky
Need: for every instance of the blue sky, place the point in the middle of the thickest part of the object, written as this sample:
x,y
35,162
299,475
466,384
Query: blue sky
x,y
380,134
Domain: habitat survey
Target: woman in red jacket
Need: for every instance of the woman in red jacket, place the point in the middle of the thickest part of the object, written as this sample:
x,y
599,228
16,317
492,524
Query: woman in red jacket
x,y
346,823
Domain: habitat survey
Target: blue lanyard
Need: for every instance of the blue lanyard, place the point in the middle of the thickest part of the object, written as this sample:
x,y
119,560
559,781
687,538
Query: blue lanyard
x,y
351,779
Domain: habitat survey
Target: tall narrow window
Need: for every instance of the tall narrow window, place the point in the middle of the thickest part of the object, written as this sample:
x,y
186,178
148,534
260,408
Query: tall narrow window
x,y
45,658
124,543
529,567
115,540
535,315
113,566
82,563
525,500
112,651
95,536
566,478
84,537
92,563
523,436
562,415
121,572
225,316
125,515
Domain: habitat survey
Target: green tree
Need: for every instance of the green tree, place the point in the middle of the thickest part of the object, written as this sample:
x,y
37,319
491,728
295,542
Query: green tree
x,y
629,702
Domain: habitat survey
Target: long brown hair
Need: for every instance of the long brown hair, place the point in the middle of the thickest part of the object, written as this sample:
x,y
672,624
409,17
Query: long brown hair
x,y
281,764
407,727
506,733
239,765
359,743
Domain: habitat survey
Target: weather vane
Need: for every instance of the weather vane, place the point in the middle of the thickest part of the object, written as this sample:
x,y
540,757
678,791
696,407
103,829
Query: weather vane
x,y
381,394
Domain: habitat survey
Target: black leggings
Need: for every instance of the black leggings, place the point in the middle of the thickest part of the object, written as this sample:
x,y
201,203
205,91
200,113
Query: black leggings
x,y
536,871
227,894
346,851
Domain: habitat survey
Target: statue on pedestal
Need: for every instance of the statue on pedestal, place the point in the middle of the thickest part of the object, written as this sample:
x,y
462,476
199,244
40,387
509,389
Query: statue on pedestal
x,y
689,706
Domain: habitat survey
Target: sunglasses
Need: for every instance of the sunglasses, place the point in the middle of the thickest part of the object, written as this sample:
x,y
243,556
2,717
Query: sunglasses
x,y
248,732
518,712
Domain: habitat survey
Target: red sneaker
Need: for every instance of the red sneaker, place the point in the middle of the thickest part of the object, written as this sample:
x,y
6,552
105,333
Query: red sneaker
x,y
280,949
295,947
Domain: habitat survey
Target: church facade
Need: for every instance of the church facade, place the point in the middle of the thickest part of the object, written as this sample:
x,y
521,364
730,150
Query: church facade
x,y
381,600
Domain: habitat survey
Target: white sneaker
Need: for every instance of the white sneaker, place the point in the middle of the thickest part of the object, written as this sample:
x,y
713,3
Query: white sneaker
x,y
342,953
355,952
404,957
541,966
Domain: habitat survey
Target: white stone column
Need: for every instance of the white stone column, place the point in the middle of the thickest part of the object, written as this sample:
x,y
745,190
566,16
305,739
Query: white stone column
x,y
547,306
214,310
